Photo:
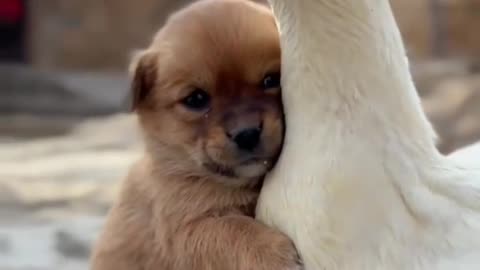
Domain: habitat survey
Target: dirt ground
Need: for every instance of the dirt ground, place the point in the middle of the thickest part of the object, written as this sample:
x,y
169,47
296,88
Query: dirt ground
x,y
55,191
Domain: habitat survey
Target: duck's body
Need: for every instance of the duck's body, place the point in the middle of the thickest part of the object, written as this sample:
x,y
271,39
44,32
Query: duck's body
x,y
468,155
360,184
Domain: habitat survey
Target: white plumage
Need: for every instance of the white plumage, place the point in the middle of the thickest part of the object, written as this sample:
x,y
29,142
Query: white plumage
x,y
360,184
468,155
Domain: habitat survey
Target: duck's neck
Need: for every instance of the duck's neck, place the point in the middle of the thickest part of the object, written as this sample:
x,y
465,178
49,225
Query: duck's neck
x,y
357,139
345,71
359,166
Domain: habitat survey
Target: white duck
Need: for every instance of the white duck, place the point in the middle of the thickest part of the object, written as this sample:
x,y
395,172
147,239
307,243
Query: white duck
x,y
468,155
360,184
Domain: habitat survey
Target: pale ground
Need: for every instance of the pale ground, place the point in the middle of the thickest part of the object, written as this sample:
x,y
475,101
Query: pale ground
x,y
59,171
54,192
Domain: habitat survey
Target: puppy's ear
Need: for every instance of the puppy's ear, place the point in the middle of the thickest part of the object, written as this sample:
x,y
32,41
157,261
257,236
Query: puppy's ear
x,y
143,71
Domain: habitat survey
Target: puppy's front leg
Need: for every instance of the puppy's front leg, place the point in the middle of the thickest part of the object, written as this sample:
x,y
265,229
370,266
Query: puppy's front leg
x,y
234,243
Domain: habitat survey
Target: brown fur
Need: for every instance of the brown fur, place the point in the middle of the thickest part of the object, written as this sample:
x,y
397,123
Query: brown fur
x,y
176,210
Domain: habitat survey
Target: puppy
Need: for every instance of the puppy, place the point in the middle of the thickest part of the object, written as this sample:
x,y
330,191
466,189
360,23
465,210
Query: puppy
x,y
207,95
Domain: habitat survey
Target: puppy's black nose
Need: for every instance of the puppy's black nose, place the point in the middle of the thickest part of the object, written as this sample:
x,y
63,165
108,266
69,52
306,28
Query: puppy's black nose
x,y
248,139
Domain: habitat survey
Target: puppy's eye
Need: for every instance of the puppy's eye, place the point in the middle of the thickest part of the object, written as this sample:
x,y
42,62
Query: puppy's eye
x,y
197,100
271,80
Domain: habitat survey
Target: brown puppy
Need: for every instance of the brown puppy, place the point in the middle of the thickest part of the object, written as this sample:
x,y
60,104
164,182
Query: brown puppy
x,y
207,95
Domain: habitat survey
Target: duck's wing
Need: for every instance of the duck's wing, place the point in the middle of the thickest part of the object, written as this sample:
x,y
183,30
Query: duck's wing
x,y
468,155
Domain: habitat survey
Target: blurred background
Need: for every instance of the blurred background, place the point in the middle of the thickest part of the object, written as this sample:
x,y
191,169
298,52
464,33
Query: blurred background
x,y
66,137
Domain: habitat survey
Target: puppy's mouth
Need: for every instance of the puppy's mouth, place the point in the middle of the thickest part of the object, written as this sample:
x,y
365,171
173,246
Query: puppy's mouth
x,y
220,169
249,168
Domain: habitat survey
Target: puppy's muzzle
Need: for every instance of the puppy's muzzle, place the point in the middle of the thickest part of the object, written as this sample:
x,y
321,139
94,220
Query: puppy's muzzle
x,y
244,129
247,139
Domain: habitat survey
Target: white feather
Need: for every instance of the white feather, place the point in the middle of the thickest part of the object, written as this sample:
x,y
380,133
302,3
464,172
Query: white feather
x,y
468,155
360,184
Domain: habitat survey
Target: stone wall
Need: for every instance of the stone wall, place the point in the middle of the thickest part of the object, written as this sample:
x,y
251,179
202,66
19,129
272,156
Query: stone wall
x,y
92,34
463,28
440,27
413,17
98,35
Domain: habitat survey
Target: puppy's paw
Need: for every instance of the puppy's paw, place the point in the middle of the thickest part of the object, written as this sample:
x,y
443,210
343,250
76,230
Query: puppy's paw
x,y
296,264
294,261
296,267
283,256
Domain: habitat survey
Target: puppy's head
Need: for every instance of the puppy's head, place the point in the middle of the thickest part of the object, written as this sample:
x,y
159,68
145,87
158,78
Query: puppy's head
x,y
207,91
